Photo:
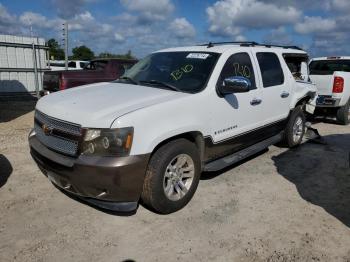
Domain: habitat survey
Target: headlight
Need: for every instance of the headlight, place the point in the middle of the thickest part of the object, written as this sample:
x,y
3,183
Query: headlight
x,y
108,142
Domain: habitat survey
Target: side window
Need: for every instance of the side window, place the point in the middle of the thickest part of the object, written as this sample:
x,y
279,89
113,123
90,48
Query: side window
x,y
238,65
271,70
72,64
83,64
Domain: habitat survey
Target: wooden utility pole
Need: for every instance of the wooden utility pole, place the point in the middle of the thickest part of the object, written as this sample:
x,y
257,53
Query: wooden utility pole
x,y
35,65
65,38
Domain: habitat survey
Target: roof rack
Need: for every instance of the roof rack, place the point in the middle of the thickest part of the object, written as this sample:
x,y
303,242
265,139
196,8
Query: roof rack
x,y
249,43
241,43
282,46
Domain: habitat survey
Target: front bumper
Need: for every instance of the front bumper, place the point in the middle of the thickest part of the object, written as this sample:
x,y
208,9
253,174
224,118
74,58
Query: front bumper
x,y
113,183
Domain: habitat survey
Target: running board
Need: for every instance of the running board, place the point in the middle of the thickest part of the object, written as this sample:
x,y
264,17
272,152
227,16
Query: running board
x,y
238,156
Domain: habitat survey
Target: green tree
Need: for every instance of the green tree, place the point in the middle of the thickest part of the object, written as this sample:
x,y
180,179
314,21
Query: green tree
x,y
128,55
55,51
106,55
82,53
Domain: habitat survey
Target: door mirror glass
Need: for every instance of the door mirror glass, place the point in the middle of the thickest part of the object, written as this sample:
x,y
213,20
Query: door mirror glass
x,y
235,84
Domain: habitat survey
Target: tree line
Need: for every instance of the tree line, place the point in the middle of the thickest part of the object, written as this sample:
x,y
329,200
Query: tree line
x,y
82,52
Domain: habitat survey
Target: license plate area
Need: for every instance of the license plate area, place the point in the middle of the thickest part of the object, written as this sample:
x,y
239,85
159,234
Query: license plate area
x,y
320,100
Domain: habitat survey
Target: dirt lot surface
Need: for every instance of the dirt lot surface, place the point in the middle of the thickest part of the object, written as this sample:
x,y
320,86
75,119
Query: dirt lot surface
x,y
282,205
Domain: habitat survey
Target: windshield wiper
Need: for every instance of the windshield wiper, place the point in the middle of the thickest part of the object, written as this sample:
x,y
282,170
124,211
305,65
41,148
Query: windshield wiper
x,y
129,79
156,82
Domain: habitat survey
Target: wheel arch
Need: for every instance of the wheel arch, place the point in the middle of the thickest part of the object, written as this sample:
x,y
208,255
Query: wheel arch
x,y
195,137
302,101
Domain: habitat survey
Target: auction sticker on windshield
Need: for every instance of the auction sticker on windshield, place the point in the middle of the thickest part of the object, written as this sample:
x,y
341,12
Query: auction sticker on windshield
x,y
197,55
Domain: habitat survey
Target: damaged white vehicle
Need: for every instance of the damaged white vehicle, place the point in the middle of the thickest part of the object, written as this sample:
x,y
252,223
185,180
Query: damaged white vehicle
x,y
176,113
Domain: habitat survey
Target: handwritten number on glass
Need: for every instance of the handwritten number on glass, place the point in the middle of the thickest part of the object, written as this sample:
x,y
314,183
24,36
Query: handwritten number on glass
x,y
177,74
241,70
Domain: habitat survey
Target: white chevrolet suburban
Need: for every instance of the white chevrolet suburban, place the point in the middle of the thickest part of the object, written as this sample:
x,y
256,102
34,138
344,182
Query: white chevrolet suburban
x,y
177,112
332,78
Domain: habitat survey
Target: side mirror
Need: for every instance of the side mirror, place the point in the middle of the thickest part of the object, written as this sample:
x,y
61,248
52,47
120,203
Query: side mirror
x,y
235,84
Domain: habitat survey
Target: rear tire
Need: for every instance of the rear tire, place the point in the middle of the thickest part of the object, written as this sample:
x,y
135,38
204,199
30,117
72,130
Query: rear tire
x,y
295,129
172,176
343,114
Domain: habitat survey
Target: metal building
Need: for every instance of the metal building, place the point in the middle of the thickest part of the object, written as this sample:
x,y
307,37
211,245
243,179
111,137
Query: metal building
x,y
23,61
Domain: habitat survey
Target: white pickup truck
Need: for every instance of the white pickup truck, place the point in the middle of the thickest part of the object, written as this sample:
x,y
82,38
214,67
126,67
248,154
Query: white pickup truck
x,y
174,114
59,65
332,78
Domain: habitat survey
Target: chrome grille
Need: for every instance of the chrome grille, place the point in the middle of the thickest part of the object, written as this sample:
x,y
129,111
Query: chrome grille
x,y
64,137
69,128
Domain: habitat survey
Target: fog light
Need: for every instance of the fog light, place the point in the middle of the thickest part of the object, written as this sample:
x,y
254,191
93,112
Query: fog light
x,y
91,148
105,142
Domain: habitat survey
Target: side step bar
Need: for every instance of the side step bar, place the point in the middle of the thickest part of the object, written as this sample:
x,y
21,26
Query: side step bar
x,y
244,153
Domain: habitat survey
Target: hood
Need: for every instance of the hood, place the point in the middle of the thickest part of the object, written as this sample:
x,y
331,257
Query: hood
x,y
98,105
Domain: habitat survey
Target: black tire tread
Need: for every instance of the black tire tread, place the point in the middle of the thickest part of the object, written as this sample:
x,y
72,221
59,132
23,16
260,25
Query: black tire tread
x,y
288,132
149,193
343,114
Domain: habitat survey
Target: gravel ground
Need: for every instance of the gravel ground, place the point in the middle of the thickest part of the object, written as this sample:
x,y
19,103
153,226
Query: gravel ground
x,y
281,205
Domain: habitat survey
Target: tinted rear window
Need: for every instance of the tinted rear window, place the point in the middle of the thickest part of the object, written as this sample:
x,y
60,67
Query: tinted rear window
x,y
271,70
72,64
328,67
83,64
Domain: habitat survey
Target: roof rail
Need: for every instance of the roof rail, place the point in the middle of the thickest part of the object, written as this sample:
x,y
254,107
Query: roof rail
x,y
282,46
242,43
249,43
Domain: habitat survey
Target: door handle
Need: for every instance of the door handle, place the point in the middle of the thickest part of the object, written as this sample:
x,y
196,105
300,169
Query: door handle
x,y
255,102
284,94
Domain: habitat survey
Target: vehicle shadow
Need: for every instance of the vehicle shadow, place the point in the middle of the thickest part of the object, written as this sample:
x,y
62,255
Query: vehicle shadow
x,y
10,110
5,170
14,104
324,119
321,174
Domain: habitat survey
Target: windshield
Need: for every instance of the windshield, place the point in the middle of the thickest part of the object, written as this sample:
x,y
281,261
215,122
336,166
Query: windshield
x,y
183,71
328,67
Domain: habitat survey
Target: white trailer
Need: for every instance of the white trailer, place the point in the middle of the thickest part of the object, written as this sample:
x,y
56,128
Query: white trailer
x,y
23,61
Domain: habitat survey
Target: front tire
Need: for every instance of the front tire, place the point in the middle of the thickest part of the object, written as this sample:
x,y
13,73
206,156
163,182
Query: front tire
x,y
295,129
343,114
172,176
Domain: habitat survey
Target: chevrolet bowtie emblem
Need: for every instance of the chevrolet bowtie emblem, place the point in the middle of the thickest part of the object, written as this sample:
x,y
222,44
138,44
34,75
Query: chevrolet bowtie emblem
x,y
47,130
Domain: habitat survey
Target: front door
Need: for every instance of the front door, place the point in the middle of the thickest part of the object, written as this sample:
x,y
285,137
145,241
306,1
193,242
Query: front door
x,y
234,117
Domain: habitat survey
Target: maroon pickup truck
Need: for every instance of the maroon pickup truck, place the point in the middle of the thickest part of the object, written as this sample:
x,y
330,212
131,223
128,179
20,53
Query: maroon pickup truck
x,y
98,70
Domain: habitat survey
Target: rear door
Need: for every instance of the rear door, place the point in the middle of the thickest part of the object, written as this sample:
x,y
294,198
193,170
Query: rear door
x,y
276,83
